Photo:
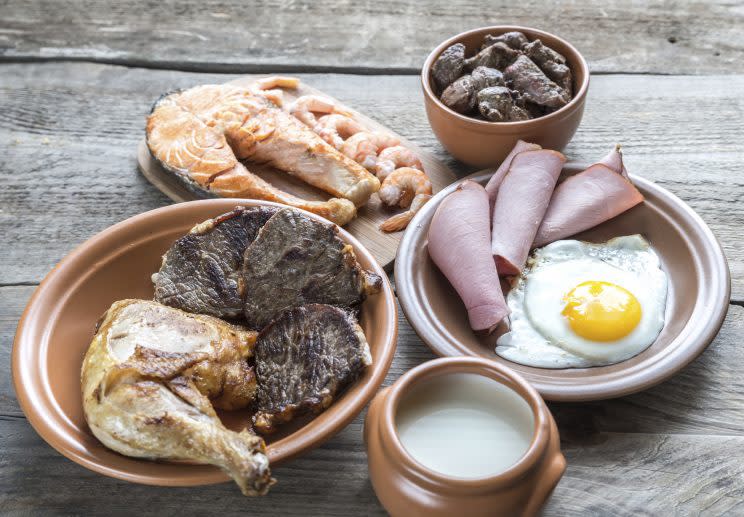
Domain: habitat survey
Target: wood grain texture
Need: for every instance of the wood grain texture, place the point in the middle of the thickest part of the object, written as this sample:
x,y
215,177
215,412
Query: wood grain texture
x,y
70,131
668,450
369,36
365,226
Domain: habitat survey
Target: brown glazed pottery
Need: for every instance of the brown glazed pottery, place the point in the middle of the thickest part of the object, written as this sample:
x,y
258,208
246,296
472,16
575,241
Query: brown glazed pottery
x,y
407,488
58,325
699,288
482,143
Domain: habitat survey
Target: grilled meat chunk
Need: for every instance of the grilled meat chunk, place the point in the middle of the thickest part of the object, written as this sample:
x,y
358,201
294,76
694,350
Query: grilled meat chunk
x,y
498,104
498,55
515,40
296,260
551,63
460,96
201,271
448,66
303,359
526,77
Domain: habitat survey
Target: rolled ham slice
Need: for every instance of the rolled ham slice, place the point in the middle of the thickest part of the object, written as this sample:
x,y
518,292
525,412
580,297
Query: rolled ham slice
x,y
521,202
492,187
586,200
460,246
614,160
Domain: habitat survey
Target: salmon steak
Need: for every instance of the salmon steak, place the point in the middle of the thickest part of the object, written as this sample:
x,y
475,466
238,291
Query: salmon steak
x,y
204,134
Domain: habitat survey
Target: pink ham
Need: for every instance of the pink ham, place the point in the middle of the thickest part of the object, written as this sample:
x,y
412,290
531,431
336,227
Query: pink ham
x,y
460,246
521,202
586,200
492,187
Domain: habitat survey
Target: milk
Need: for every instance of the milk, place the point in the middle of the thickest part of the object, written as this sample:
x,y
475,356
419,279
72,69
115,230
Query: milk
x,y
465,425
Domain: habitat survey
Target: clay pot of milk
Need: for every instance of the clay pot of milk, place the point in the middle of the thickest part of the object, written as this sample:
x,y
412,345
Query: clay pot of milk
x,y
462,436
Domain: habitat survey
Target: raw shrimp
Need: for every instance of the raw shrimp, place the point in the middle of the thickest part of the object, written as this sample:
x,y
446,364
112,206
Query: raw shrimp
x,y
405,187
393,158
335,128
269,87
305,108
364,146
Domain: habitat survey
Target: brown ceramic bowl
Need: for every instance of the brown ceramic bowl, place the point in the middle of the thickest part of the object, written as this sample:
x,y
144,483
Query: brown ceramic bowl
x,y
407,488
484,144
697,299
57,327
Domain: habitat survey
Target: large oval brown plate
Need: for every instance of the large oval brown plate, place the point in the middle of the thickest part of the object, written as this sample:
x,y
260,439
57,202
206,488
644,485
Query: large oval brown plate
x,y
699,291
57,327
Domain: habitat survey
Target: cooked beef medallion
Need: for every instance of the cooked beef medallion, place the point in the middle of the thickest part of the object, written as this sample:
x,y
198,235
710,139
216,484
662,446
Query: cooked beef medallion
x,y
303,359
296,260
201,271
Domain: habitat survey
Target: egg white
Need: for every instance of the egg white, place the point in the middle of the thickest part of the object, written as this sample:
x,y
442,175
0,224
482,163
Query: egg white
x,y
541,336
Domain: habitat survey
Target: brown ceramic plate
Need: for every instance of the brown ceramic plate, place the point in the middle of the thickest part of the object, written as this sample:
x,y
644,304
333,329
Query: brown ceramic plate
x,y
697,301
57,327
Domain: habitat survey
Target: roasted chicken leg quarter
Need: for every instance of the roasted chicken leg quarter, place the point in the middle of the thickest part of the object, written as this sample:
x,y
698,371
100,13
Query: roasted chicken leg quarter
x,y
151,378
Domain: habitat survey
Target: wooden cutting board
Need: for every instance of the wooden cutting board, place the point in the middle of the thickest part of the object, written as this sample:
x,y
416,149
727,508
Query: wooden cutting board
x,y
365,227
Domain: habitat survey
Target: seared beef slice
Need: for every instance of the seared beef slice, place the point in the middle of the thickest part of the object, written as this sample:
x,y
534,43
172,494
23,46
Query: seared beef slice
x,y
303,359
297,260
201,271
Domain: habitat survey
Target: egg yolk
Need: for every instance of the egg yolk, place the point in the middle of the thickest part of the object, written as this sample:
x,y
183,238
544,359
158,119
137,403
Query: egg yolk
x,y
601,311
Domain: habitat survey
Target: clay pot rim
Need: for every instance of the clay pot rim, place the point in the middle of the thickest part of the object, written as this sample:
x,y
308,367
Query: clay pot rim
x,y
449,365
507,127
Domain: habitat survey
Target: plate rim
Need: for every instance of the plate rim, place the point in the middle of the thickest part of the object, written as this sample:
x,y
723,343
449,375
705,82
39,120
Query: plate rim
x,y
28,392
693,345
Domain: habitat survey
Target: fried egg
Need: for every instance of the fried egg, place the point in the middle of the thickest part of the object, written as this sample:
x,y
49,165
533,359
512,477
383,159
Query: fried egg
x,y
578,304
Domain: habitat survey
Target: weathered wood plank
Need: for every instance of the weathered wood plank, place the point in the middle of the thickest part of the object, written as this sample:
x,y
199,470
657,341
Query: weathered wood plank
x,y
389,35
619,474
331,480
707,397
623,474
667,448
72,129
12,302
651,474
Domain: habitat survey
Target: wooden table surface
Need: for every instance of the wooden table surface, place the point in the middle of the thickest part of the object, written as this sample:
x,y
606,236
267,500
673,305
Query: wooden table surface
x,y
77,79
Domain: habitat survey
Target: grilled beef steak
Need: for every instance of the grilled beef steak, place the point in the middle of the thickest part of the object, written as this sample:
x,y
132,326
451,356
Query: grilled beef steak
x,y
201,271
303,359
296,260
